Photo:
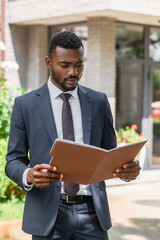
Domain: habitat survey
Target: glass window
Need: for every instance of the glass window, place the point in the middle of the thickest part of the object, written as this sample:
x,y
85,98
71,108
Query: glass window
x,y
129,41
129,94
156,116
154,46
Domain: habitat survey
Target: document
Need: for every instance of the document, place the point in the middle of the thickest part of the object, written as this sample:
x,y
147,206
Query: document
x,y
86,164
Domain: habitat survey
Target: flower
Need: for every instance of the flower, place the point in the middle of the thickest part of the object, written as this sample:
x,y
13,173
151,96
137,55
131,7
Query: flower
x,y
129,134
2,46
134,126
9,65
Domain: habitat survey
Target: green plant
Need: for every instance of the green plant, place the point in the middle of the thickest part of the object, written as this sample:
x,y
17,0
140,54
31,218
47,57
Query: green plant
x,y
8,189
11,210
3,179
6,103
156,82
129,134
156,129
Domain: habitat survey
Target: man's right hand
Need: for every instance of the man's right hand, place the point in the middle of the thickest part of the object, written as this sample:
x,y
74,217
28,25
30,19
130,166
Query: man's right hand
x,y
43,175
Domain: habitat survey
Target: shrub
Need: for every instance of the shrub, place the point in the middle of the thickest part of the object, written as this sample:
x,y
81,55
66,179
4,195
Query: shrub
x,y
6,103
8,189
129,134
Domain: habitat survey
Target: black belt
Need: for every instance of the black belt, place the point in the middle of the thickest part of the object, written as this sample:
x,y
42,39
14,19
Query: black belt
x,y
76,199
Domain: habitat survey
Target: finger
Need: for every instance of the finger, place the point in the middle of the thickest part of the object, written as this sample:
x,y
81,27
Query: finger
x,y
40,167
46,170
46,180
40,183
61,177
128,176
128,170
54,169
133,163
128,165
37,174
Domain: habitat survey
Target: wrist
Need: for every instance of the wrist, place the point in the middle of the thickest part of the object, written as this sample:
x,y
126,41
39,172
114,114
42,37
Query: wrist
x,y
125,180
29,178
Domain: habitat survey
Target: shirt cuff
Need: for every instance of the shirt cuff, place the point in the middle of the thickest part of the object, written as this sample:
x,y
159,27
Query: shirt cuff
x,y
26,186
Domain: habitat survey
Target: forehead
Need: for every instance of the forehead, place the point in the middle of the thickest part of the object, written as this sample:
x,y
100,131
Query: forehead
x,y
67,54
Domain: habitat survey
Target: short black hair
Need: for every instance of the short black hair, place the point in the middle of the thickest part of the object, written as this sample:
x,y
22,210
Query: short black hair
x,y
65,39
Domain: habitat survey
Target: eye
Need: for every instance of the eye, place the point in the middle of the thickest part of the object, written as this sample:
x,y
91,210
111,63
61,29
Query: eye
x,y
79,64
64,65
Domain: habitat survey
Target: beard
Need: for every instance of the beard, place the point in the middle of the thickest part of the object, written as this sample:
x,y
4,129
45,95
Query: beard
x,y
62,84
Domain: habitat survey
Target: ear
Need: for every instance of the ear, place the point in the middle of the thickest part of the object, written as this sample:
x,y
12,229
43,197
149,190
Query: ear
x,y
48,62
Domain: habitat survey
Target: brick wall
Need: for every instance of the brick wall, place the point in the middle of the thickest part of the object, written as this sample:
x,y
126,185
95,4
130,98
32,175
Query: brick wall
x,y
37,51
101,56
26,10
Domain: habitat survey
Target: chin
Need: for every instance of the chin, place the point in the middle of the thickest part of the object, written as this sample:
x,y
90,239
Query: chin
x,y
71,88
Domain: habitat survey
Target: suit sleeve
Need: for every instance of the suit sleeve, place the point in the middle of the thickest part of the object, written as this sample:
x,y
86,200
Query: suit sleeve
x,y
17,155
108,138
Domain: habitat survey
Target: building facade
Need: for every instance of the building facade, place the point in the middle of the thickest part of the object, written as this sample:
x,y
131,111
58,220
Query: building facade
x,y
122,43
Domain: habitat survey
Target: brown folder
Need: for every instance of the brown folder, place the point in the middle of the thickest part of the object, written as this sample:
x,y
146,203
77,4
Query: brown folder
x,y
85,164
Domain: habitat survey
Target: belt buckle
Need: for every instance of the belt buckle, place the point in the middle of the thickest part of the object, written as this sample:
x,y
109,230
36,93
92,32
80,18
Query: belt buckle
x,y
69,201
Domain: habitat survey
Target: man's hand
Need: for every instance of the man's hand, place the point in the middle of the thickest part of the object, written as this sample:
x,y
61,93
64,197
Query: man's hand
x,y
129,171
43,175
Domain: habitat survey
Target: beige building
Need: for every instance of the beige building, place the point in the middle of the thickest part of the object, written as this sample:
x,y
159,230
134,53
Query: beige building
x,y
122,41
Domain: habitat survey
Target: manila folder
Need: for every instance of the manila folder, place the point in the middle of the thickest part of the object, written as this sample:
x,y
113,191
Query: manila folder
x,y
86,164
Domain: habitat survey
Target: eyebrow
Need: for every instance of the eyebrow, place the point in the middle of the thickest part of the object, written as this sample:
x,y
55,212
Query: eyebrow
x,y
81,61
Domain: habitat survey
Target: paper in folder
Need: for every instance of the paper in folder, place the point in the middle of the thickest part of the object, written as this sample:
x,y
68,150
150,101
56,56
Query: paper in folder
x,y
85,164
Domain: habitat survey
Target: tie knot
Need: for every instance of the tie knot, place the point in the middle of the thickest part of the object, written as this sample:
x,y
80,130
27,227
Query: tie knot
x,y
65,96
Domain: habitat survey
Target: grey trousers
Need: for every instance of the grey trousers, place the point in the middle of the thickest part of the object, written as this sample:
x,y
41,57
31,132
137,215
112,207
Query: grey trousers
x,y
76,222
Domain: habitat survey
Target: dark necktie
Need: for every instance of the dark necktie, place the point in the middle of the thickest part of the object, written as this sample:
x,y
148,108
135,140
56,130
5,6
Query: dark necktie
x,y
68,133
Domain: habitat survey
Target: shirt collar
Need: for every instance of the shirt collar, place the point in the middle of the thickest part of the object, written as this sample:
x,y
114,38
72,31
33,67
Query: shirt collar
x,y
55,91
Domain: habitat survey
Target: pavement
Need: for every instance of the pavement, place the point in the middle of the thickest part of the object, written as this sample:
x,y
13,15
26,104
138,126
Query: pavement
x,y
134,208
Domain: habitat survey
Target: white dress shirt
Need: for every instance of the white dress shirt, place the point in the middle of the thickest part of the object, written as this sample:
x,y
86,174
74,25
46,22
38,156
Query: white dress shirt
x,y
57,103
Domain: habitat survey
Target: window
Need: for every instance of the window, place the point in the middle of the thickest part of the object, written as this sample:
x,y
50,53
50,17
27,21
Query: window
x,y
154,46
129,41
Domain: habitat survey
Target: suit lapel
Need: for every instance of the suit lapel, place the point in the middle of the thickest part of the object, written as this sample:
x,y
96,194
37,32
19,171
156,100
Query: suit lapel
x,y
45,109
86,109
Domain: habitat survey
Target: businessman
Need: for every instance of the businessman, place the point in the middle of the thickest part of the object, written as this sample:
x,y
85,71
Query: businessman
x,y
61,108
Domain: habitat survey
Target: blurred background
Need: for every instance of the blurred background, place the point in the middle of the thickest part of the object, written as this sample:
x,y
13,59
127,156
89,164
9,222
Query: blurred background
x,y
122,59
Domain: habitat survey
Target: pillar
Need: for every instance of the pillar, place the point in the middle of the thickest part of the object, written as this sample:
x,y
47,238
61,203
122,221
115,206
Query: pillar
x,y
101,57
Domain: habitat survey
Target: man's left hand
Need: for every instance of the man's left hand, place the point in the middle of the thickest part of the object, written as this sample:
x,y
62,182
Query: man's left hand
x,y
129,171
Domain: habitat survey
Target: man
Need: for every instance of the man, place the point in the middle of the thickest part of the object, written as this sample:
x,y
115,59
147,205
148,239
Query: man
x,y
38,118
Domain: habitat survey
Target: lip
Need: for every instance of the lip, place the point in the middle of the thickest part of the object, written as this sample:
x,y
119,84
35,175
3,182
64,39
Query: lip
x,y
71,81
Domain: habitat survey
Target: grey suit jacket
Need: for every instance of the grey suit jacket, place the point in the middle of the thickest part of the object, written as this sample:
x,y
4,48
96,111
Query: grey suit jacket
x,y
33,129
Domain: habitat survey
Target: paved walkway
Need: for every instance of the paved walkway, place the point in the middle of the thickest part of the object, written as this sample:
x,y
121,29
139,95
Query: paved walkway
x,y
135,209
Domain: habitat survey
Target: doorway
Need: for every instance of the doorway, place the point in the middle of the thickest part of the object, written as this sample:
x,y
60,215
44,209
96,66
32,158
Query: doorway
x,y
155,113
128,93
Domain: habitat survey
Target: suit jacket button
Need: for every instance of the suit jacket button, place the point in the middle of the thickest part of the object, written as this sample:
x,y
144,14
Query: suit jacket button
x,y
58,188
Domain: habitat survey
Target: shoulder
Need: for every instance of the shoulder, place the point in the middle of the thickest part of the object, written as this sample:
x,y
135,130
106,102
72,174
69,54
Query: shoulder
x,y
95,95
29,96
91,91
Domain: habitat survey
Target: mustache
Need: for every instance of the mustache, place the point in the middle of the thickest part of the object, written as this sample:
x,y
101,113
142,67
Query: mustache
x,y
71,78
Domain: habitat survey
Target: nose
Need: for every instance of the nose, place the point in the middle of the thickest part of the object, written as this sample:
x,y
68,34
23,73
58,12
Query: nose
x,y
73,71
